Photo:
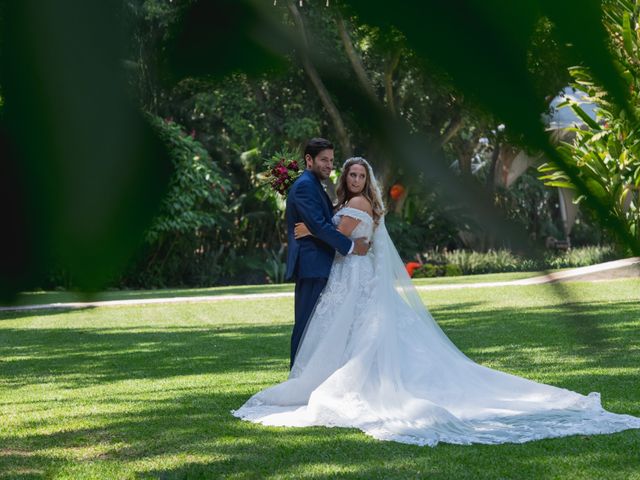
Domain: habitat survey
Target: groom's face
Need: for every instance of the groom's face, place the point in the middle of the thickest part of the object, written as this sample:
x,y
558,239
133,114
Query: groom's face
x,y
322,165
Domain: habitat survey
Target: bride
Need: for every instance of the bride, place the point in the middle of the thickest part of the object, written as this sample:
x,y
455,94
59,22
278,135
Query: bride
x,y
373,358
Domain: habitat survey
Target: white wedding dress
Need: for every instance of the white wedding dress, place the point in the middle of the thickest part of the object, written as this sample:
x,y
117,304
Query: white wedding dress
x,y
373,358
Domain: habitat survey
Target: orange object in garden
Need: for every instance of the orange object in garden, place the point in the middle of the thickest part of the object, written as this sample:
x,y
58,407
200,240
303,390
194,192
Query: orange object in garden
x,y
411,267
396,191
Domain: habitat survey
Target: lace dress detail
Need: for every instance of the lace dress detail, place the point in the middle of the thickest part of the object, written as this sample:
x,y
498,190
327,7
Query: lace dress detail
x,y
349,274
373,358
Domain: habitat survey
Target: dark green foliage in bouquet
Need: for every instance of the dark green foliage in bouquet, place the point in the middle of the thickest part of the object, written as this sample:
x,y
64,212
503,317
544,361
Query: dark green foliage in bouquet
x,y
282,169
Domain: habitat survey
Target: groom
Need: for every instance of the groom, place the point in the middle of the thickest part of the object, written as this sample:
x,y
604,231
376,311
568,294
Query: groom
x,y
310,258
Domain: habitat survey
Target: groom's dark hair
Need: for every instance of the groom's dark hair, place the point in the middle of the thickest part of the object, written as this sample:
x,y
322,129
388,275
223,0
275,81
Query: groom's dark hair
x,y
316,145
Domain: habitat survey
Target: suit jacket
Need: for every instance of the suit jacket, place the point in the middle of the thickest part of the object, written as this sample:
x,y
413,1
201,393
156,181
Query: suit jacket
x,y
312,256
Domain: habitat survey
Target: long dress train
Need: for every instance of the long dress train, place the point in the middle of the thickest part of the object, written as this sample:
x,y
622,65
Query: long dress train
x,y
373,358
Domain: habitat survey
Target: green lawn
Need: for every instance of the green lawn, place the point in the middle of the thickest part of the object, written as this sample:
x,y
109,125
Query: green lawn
x,y
42,297
38,298
145,391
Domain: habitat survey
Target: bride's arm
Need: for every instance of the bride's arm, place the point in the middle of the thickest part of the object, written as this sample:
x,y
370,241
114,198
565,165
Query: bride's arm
x,y
347,223
346,226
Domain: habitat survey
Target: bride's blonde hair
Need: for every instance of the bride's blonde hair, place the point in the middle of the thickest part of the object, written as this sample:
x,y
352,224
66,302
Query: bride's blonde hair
x,y
371,190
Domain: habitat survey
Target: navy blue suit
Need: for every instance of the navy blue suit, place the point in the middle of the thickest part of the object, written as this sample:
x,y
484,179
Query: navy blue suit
x,y
309,258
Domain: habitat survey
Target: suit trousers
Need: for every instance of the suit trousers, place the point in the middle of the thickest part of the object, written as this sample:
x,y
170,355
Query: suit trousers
x,y
308,291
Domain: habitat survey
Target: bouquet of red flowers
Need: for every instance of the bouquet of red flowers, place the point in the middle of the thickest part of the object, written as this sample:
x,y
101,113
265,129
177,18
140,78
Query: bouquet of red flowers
x,y
282,171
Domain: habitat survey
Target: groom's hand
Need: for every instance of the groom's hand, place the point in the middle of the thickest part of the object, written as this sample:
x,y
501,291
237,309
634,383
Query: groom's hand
x,y
361,246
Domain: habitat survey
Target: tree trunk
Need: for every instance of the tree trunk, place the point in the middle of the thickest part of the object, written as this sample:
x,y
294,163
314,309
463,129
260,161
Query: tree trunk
x,y
452,129
354,59
323,93
388,82
491,177
464,161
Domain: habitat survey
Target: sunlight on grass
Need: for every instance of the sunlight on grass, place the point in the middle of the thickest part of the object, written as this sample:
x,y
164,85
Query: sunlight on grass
x,y
145,391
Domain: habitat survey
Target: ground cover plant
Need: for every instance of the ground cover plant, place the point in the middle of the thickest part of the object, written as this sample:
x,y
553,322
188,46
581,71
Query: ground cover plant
x,y
145,391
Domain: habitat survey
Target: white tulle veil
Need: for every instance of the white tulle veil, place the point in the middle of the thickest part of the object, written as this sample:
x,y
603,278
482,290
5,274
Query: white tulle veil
x,y
391,277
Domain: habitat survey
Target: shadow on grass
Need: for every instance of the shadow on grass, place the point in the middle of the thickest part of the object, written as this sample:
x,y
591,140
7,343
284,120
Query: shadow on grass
x,y
196,422
200,425
84,357
38,298
583,327
16,314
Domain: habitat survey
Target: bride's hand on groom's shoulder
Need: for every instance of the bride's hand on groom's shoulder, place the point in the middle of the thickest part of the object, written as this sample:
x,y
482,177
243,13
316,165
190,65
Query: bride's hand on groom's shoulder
x,y
301,230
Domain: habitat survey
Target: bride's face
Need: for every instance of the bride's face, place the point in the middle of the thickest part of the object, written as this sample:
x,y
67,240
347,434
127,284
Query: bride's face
x,y
356,179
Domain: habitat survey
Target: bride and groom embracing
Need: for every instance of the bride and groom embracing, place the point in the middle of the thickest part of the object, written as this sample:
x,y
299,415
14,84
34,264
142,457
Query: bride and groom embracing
x,y
366,353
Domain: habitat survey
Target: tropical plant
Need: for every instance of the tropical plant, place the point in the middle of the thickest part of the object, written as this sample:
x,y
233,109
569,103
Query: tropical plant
x,y
197,190
275,265
604,154
464,262
183,246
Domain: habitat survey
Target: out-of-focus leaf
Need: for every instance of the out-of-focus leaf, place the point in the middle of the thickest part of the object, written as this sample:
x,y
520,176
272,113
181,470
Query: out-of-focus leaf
x,y
590,42
626,33
482,46
215,38
420,157
561,184
584,117
89,168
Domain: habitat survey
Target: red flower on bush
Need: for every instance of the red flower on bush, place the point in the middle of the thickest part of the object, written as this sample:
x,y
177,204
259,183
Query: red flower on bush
x,y
396,191
411,267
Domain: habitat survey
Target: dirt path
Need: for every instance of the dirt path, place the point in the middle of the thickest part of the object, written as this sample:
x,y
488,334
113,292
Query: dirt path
x,y
628,267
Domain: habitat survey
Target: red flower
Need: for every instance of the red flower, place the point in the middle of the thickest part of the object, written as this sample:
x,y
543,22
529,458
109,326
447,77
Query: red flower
x,y
293,165
282,170
411,267
396,191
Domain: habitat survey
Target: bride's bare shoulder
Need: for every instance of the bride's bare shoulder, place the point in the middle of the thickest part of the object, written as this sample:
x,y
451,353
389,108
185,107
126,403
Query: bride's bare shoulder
x,y
361,203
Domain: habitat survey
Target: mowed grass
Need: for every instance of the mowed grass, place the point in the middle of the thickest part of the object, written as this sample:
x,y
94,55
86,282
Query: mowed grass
x,y
145,391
